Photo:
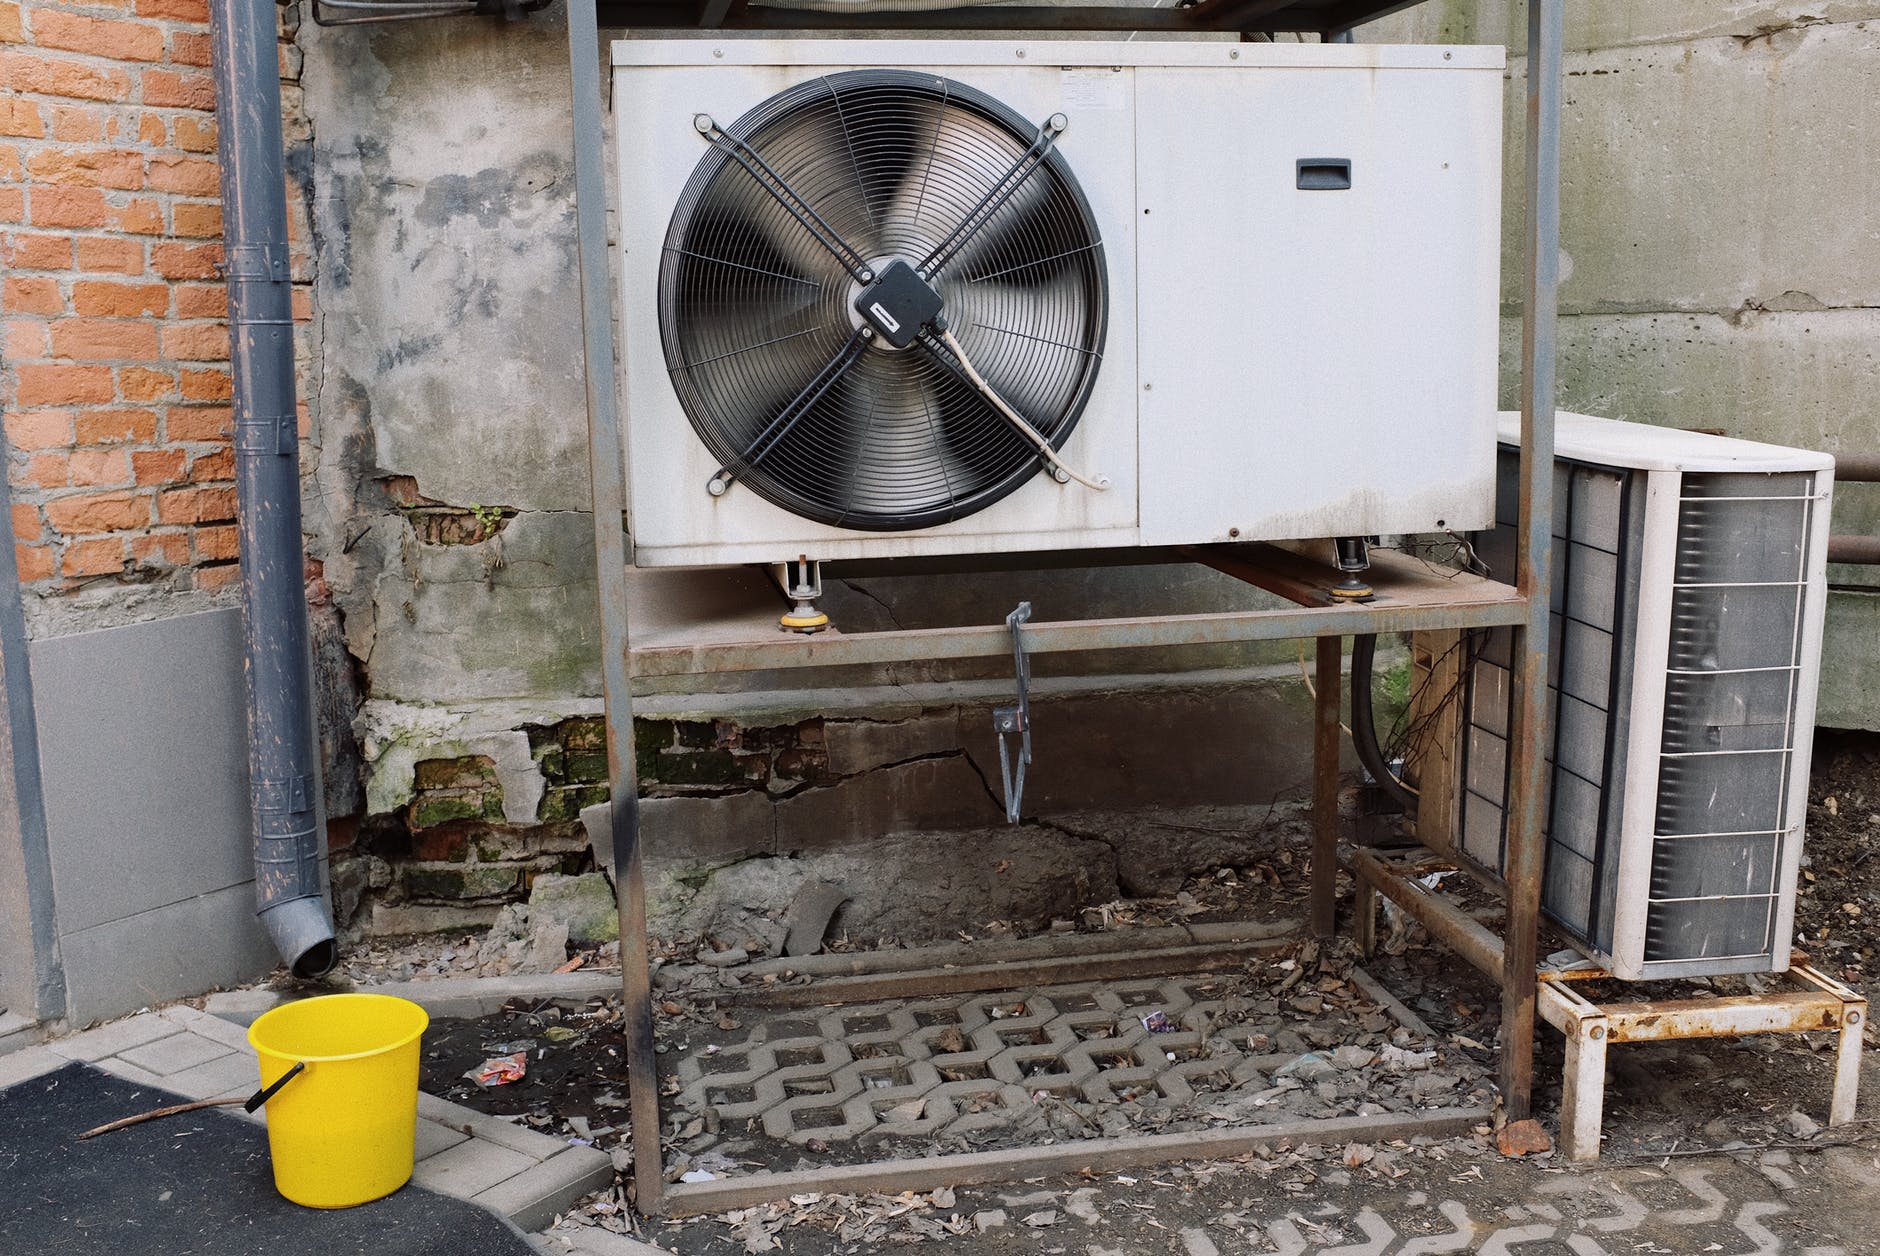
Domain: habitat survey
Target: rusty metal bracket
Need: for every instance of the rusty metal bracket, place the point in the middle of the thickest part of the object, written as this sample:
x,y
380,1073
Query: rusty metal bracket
x,y
1013,723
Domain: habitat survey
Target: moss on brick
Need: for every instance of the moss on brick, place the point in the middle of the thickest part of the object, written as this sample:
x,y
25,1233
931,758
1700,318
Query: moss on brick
x,y
584,767
474,881
565,802
429,810
469,772
583,733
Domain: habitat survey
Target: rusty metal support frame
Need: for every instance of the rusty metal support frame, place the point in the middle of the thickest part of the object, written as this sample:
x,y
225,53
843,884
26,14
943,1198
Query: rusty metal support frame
x,y
608,478
1527,611
1822,1005
1527,772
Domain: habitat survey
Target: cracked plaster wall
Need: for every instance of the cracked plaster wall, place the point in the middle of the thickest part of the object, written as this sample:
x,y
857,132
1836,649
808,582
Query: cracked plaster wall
x,y
448,359
1721,263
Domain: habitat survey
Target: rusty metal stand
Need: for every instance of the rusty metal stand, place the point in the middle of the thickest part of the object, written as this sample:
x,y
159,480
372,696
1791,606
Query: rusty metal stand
x,y
1408,598
1823,1004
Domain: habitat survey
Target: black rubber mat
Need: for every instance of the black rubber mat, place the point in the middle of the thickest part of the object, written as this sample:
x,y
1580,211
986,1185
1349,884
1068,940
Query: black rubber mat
x,y
192,1185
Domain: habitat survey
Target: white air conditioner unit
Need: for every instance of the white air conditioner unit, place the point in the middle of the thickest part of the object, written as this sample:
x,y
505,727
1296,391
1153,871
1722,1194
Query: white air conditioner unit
x,y
1689,586
1254,286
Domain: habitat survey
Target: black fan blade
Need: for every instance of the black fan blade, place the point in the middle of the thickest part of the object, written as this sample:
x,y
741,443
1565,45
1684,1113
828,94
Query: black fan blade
x,y
1029,339
754,221
1013,234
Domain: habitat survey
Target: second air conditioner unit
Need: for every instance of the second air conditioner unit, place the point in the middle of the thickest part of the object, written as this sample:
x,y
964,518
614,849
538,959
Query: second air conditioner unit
x,y
1689,584
1251,286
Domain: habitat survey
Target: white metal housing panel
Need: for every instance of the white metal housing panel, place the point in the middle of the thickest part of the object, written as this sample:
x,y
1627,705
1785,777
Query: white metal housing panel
x,y
1650,636
1649,447
1311,385
1342,343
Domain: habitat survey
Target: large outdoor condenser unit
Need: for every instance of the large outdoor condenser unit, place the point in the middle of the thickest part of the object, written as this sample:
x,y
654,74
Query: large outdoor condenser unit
x,y
1243,291
1689,583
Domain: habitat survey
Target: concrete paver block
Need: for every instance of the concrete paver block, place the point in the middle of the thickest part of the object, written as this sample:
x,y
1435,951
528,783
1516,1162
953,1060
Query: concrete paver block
x,y
21,1066
175,1053
203,1025
469,1168
489,1129
128,1072
533,1197
231,1074
433,1138
240,1006
118,1036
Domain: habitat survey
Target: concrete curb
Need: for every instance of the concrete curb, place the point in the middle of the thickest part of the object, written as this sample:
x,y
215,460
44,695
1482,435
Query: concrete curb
x,y
467,997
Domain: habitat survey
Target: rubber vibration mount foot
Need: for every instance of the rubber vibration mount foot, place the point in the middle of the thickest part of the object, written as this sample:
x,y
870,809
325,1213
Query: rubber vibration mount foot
x,y
804,623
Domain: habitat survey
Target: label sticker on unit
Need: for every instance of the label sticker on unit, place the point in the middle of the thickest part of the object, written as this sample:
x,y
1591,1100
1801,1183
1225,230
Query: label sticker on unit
x,y
1100,88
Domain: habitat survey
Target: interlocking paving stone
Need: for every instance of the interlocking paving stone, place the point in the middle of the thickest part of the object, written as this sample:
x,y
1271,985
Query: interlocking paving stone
x,y
174,1053
134,1031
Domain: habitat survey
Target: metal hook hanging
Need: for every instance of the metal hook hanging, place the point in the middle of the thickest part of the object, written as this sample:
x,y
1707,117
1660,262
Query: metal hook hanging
x,y
1013,723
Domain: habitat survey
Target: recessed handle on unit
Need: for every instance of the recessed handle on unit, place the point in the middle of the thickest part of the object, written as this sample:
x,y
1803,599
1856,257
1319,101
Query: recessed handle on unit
x,y
1324,174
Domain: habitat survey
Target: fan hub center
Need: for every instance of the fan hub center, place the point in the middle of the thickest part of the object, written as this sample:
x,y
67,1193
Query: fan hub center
x,y
898,303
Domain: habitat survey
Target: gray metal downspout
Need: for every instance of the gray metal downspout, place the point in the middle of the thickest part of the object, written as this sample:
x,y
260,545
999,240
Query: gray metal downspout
x,y
283,776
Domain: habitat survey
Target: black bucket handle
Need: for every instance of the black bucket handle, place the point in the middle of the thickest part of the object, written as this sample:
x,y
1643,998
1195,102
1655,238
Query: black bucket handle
x,y
266,1093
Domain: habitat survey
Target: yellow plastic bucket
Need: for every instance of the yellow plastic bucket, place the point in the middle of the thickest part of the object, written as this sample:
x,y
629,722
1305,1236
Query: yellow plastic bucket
x,y
342,1130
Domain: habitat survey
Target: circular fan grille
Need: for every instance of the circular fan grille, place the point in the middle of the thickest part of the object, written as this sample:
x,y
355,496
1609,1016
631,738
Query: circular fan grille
x,y
756,311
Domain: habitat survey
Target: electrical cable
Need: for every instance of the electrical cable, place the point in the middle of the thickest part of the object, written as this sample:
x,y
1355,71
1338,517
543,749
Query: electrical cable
x,y
1100,483
1364,726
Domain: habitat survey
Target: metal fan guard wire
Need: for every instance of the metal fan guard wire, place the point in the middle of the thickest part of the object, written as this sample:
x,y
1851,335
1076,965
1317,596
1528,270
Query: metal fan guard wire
x,y
752,307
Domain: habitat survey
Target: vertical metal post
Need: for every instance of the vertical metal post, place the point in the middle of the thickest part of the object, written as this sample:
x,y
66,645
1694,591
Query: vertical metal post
x,y
610,568
1325,788
1527,774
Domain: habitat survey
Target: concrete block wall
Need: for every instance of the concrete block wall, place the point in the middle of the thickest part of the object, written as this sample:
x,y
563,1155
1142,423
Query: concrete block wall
x,y
1721,264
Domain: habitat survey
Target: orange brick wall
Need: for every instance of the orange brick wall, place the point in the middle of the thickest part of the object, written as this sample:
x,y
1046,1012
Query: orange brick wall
x,y
114,373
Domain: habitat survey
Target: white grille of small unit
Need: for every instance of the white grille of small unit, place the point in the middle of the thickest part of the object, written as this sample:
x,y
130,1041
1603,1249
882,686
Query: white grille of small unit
x,y
1722,834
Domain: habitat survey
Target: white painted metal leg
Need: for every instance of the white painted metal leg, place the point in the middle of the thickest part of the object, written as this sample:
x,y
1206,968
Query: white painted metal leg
x,y
1847,1064
1583,1089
